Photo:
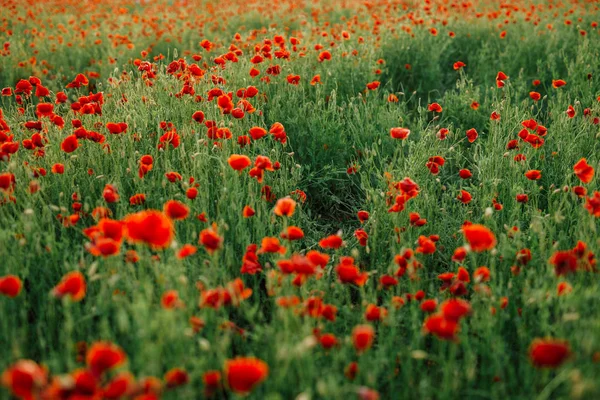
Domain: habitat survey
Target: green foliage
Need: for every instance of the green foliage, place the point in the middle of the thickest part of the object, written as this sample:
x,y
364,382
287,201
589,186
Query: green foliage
x,y
332,127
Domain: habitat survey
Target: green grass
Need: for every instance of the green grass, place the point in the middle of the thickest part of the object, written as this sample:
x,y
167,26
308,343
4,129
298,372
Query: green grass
x,y
330,127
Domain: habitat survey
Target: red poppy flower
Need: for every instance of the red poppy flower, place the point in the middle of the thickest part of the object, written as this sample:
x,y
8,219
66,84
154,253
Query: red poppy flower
x,y
441,327
103,356
435,107
331,242
176,210
533,174
69,144
479,237
239,162
10,285
472,135
210,239
151,227
549,353
72,285
399,133
25,379
362,337
176,377
285,207
584,171
243,374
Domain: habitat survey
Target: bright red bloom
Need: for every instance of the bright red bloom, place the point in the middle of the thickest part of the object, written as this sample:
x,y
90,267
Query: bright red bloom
x,y
363,216
186,251
278,132
198,116
482,274
465,174
72,285
564,262
191,193
522,198
399,133
426,245
374,313
479,237
80,80
58,169
328,341
549,353
176,210
116,128
325,55
563,288
151,227
459,254
7,182
556,83
317,258
257,132
170,300
245,373
435,163
331,242
271,245
110,194
25,379
592,204
176,377
118,386
103,356
44,110
584,171
429,305
362,337
23,86
533,174
239,162
137,199
210,239
373,85
464,197
349,273
250,264
455,309
435,107
212,381
285,207
248,212
362,236
170,137
441,327
69,144
292,233
173,176
10,285
458,65
472,135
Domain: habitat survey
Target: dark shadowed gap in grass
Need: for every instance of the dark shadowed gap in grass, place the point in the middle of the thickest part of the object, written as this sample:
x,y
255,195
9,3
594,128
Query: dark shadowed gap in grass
x,y
319,147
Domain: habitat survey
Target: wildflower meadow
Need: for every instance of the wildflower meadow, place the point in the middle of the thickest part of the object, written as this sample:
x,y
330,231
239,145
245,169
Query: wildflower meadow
x,y
299,199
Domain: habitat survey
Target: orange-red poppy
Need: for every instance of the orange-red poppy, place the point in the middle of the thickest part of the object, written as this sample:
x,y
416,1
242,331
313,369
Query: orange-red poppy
x,y
243,374
479,237
72,285
151,227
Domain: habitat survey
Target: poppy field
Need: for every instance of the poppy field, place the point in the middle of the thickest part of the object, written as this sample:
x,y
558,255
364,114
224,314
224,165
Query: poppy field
x,y
299,199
